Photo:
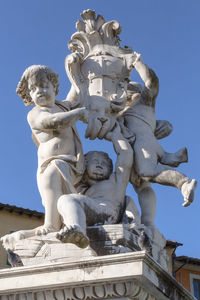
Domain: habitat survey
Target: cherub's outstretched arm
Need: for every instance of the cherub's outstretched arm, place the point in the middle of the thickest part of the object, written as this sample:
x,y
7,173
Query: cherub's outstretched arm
x,y
149,77
46,120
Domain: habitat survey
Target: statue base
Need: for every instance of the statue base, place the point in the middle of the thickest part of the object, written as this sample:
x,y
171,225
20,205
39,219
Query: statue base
x,y
104,240
120,276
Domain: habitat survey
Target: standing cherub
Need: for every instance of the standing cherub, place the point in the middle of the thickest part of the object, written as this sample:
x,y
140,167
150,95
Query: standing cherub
x,y
60,156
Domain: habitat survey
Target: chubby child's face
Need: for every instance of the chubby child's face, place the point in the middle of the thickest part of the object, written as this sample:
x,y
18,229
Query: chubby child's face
x,y
41,90
98,167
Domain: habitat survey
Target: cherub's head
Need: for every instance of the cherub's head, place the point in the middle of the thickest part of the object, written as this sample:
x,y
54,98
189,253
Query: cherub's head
x,y
99,166
38,85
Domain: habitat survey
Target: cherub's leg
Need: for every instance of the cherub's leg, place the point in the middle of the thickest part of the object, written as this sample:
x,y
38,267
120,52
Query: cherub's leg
x,y
71,208
170,159
77,211
147,201
174,159
50,184
9,240
148,168
167,176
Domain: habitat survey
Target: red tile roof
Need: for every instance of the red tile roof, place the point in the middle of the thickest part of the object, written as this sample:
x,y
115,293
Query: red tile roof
x,y
21,210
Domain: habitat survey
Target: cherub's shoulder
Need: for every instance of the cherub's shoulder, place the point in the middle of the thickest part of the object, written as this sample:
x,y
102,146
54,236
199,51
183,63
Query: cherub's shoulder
x,y
32,114
112,178
33,111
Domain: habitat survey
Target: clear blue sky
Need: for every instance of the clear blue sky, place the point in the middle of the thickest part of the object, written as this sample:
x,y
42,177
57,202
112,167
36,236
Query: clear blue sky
x,y
167,35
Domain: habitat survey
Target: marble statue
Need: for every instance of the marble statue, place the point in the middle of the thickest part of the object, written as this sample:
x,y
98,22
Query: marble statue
x,y
81,192
152,163
102,193
99,70
60,155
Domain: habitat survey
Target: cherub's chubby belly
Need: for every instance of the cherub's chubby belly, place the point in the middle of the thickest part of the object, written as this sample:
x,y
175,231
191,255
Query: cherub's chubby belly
x,y
105,191
54,147
106,205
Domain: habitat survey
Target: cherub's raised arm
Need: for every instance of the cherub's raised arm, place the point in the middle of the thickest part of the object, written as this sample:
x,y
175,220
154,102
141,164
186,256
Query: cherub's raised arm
x,y
148,75
73,97
124,154
46,120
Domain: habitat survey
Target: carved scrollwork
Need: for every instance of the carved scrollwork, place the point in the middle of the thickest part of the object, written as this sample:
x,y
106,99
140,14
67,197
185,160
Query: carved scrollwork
x,y
110,32
93,32
99,70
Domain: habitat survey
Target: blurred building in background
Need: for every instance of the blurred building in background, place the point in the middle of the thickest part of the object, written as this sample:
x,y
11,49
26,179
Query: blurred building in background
x,y
187,272
13,218
185,269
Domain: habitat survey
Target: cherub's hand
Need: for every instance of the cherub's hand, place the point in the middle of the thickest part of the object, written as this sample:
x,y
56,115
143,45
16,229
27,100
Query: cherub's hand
x,y
137,57
127,133
116,132
84,114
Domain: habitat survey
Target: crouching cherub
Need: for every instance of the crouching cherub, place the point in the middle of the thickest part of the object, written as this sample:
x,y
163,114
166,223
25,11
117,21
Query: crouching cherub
x,y
152,163
60,155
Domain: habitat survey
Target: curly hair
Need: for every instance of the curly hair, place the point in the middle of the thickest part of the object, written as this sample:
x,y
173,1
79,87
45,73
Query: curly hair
x,y
104,154
35,70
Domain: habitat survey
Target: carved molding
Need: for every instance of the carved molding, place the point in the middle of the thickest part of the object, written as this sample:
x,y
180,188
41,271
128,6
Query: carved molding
x,y
128,289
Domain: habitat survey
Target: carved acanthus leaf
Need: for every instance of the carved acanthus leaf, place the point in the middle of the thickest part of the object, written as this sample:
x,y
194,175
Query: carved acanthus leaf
x,y
88,14
89,18
79,43
80,25
94,32
111,30
99,22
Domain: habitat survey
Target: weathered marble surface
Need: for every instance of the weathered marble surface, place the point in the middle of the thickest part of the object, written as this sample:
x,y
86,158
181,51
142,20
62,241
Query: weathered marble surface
x,y
99,70
104,240
151,162
78,191
60,154
123,276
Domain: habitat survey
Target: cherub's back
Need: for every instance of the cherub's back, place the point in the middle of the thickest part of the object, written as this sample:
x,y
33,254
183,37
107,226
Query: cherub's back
x,y
140,117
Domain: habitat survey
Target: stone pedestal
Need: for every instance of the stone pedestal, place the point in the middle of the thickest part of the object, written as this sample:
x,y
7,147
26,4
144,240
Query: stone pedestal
x,y
120,276
104,240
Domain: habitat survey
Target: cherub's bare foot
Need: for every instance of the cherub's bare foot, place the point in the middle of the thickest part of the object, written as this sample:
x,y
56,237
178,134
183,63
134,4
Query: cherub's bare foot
x,y
182,156
74,235
43,230
175,159
9,240
187,190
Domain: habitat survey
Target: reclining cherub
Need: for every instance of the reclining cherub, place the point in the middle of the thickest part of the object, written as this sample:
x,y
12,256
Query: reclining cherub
x,y
101,197
152,163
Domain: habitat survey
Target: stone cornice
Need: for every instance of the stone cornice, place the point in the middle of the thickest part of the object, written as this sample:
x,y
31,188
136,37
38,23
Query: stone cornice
x,y
105,273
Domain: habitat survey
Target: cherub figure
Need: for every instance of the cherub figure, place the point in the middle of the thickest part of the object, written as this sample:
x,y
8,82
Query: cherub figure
x,y
102,195
152,163
60,155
